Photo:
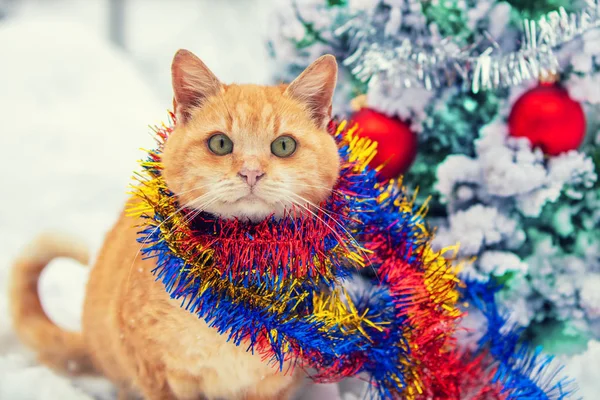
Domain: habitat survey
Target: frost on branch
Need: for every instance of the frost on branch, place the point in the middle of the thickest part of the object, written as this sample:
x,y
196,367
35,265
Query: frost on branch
x,y
510,206
409,104
506,170
477,228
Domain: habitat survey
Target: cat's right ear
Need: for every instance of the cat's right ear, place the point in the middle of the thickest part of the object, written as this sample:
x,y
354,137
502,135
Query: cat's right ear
x,y
193,83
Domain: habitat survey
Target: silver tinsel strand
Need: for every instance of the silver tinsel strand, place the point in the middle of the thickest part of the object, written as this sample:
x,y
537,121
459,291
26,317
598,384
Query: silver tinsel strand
x,y
429,61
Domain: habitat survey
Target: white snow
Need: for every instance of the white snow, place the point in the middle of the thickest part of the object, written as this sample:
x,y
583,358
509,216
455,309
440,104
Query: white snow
x,y
17,375
590,295
475,228
409,104
74,113
584,369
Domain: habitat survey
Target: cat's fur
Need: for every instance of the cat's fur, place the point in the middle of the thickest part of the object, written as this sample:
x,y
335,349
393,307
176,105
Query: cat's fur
x,y
133,333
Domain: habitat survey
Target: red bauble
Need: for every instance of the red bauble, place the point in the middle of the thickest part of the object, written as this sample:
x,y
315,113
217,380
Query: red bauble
x,y
549,118
396,143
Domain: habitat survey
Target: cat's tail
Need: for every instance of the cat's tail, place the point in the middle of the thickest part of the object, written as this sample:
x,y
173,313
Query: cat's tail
x,y
56,347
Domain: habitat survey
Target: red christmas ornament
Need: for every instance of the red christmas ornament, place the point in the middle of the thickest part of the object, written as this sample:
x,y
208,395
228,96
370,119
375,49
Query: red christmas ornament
x,y
396,143
549,118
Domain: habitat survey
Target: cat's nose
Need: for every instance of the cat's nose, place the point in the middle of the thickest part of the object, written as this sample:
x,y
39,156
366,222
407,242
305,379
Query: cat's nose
x,y
251,175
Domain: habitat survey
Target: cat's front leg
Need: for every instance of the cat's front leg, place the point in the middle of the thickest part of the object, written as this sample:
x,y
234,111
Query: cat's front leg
x,y
147,370
270,388
127,394
152,390
185,386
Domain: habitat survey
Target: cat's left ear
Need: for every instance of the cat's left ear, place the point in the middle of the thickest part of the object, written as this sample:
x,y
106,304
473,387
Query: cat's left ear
x,y
193,83
314,87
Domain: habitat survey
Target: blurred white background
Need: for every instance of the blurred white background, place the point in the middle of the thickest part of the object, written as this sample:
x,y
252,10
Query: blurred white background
x,y
226,34
80,81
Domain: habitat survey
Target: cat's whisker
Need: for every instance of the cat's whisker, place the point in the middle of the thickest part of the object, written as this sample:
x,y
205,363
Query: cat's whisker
x,y
330,216
163,222
201,207
302,184
197,210
145,241
225,193
350,236
192,203
304,207
213,185
323,211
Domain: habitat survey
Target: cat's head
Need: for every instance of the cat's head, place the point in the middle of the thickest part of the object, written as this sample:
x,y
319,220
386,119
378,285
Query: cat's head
x,y
248,151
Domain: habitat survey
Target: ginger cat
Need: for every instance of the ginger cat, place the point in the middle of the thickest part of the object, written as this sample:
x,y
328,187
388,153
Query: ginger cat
x,y
242,151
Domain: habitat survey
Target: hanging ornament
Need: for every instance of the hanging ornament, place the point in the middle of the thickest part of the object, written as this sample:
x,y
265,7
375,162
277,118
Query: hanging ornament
x,y
549,118
396,142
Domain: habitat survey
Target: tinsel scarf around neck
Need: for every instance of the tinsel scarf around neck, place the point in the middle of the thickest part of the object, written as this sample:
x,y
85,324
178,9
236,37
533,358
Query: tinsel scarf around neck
x,y
276,287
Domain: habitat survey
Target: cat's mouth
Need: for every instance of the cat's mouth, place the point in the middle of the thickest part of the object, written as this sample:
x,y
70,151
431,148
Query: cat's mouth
x,y
245,205
251,197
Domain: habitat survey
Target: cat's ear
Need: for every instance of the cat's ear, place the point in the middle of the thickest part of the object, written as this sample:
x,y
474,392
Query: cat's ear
x,y
315,86
193,82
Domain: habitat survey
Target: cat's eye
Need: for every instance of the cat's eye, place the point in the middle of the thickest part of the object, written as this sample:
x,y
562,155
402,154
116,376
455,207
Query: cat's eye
x,y
220,144
283,146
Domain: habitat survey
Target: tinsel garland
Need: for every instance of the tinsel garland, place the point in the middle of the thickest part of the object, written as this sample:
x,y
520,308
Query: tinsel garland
x,y
379,52
276,287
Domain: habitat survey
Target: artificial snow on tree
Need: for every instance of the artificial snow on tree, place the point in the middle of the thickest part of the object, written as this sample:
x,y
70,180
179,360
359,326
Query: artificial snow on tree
x,y
526,212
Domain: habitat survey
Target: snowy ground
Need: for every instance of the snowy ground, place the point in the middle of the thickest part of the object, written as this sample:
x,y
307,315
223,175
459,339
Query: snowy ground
x,y
74,113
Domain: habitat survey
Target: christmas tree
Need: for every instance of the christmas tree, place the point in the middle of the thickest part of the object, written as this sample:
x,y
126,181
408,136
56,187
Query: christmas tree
x,y
490,109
